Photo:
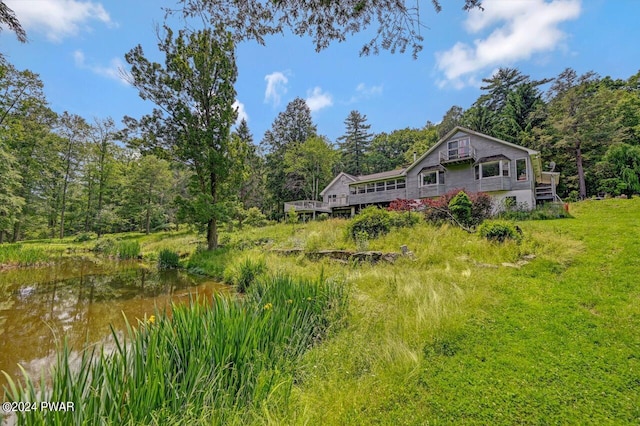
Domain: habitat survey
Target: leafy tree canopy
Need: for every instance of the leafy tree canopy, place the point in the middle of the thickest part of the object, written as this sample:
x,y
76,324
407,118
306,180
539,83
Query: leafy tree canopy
x,y
399,21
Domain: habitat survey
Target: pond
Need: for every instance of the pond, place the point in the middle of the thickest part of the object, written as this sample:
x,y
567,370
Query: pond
x,y
79,299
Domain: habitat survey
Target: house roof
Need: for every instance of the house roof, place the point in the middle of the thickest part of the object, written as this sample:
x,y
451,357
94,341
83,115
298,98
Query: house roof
x,y
470,132
335,179
438,167
492,158
381,175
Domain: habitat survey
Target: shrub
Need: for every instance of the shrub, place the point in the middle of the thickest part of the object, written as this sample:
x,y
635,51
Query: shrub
x,y
292,216
403,205
247,272
254,217
322,217
404,219
106,246
85,236
437,209
460,208
372,220
543,212
501,231
168,259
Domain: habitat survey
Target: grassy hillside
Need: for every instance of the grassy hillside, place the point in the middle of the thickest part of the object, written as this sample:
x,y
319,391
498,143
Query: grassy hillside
x,y
465,331
449,339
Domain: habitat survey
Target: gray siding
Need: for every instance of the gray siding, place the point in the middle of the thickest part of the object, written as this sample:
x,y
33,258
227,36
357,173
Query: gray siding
x,y
377,197
462,176
340,189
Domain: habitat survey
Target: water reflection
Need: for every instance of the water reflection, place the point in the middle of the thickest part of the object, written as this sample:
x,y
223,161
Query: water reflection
x,y
79,299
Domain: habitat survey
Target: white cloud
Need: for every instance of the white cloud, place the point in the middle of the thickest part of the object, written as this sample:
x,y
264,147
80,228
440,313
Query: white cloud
x,y
366,92
58,18
316,99
114,71
242,113
522,28
276,87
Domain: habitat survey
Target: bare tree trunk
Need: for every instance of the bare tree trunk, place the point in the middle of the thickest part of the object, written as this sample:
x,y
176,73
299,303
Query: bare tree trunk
x,y
582,186
212,235
212,226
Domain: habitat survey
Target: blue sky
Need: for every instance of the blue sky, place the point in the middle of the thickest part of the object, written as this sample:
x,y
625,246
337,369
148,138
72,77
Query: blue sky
x,y
77,47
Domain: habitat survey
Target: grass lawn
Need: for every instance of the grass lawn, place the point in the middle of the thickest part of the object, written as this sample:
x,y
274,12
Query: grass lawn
x,y
466,331
449,340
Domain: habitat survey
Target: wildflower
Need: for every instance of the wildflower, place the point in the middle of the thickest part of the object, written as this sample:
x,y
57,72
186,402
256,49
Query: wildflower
x,y
309,298
289,301
151,320
268,306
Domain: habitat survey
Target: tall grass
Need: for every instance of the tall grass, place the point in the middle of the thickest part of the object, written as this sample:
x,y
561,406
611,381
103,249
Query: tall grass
x,y
216,362
17,254
128,249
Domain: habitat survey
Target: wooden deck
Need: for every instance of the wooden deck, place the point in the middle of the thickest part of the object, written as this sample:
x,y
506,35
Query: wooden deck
x,y
307,206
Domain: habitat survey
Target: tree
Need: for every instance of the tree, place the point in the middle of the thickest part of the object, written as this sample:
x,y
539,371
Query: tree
x,y
252,186
452,118
620,170
10,200
291,127
8,17
354,144
313,160
150,189
193,92
399,23
423,139
521,113
74,132
479,118
582,121
99,170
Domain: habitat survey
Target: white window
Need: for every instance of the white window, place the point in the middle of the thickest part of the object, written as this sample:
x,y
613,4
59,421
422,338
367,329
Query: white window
x,y
400,183
435,177
492,169
429,178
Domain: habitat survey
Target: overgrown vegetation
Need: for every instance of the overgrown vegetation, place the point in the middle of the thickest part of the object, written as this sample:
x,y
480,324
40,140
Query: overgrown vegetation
x,y
545,211
541,330
371,222
168,259
17,254
494,230
218,362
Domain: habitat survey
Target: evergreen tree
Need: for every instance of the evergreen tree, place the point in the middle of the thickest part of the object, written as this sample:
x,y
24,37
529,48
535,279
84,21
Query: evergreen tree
x,y
291,127
251,192
354,144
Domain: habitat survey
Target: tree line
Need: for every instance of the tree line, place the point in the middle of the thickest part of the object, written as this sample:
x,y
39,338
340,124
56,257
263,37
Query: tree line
x,y
61,174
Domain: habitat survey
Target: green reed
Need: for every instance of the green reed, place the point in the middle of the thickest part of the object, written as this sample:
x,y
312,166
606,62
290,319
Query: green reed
x,y
213,362
19,255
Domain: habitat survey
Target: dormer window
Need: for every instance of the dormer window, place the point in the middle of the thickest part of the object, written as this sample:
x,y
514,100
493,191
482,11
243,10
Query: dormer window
x,y
488,167
431,176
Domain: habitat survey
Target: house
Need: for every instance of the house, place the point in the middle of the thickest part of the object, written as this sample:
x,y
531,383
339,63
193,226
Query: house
x,y
463,159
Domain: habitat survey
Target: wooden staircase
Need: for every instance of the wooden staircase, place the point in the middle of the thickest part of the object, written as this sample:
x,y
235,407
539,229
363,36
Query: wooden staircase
x,y
545,193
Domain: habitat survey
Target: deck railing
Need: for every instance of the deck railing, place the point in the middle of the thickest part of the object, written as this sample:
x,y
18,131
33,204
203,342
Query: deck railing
x,y
458,154
302,205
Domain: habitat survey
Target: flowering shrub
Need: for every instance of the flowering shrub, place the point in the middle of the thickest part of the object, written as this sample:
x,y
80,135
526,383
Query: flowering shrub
x,y
437,210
